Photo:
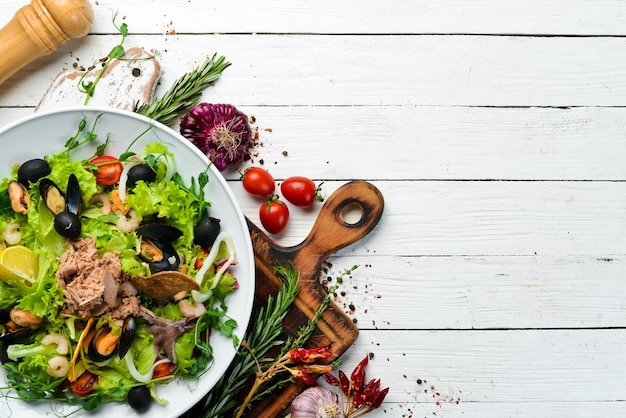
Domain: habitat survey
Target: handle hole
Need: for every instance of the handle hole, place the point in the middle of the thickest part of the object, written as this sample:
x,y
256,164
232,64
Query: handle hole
x,y
352,213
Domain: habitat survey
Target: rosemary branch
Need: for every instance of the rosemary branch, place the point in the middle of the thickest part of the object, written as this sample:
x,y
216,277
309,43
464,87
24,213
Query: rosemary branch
x,y
263,334
185,92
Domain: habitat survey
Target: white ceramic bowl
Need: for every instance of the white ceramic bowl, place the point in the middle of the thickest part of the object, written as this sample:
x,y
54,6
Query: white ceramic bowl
x,y
46,133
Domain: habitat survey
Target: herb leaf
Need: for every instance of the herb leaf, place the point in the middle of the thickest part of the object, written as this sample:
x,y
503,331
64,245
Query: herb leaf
x,y
185,92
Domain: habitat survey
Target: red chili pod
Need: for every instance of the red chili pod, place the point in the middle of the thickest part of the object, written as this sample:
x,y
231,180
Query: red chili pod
x,y
330,379
344,382
303,377
310,355
315,368
380,398
368,391
358,375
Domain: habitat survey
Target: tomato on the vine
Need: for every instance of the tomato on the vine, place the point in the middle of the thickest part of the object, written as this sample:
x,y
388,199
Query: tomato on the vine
x,y
274,215
107,169
300,191
258,182
84,384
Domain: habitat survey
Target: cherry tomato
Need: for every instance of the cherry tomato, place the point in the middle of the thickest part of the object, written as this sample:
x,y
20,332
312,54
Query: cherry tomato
x,y
166,368
108,169
300,191
84,385
274,215
258,182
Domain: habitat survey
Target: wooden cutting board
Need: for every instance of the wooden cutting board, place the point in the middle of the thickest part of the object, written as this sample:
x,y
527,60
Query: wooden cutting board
x,y
330,233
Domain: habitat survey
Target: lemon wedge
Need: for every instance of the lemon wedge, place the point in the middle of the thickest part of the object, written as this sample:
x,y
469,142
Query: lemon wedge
x,y
18,263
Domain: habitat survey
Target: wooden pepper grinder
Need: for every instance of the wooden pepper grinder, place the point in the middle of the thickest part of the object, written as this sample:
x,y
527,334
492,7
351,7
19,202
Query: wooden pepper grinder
x,y
38,29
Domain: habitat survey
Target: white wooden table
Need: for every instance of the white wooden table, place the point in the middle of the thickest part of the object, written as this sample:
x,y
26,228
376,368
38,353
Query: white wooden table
x,y
494,285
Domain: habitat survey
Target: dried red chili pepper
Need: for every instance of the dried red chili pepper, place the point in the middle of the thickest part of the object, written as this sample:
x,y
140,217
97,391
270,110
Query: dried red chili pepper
x,y
310,355
303,377
358,375
380,398
344,383
368,394
315,368
330,379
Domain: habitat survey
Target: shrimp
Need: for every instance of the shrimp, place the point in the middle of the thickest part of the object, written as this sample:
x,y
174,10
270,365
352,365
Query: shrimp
x,y
191,309
58,366
127,224
59,340
104,199
12,234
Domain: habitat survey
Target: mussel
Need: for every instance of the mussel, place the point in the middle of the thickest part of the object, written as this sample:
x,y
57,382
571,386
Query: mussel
x,y
19,197
65,207
156,248
159,232
32,170
160,256
106,343
10,329
74,195
52,196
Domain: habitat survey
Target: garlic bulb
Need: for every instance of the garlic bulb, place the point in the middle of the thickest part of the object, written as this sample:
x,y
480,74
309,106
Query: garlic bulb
x,y
316,402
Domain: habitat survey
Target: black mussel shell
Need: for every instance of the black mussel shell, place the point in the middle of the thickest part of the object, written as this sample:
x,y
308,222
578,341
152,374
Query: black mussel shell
x,y
160,232
140,172
103,345
73,195
52,196
129,329
169,259
206,231
5,316
67,224
32,170
4,357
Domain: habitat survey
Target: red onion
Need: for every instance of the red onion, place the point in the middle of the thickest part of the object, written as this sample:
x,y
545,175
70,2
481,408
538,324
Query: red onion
x,y
219,130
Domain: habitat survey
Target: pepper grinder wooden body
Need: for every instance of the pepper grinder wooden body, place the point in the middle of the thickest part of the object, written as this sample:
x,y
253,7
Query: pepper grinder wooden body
x,y
38,29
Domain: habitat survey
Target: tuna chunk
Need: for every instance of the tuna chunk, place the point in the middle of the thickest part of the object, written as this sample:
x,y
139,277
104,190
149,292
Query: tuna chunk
x,y
92,283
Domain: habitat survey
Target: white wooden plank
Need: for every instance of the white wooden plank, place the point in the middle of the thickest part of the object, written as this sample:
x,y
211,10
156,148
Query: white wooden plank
x,y
482,218
409,293
435,143
580,17
372,70
529,367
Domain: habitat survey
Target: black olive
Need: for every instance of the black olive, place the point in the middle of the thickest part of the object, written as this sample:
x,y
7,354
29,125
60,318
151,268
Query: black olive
x,y
139,397
32,170
67,224
206,231
140,172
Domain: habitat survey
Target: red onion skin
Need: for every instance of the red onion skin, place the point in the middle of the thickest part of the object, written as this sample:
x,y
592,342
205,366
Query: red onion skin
x,y
220,131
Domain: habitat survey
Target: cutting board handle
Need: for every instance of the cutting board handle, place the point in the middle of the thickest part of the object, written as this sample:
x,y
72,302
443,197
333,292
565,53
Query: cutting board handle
x,y
333,229
38,29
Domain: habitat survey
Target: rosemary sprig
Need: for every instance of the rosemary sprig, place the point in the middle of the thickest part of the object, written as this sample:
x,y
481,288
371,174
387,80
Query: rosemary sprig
x,y
263,334
185,92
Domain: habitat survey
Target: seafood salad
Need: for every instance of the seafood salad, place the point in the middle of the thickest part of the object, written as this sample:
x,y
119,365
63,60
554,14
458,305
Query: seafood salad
x,y
113,275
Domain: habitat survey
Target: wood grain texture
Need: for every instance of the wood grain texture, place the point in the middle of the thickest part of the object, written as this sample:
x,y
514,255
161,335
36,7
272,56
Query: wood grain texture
x,y
494,129
330,233
452,70
560,17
